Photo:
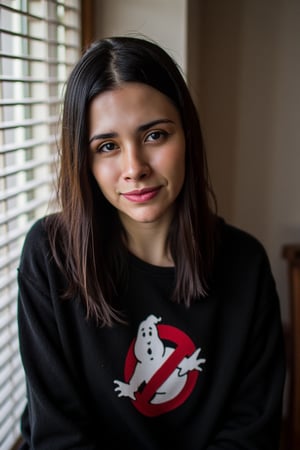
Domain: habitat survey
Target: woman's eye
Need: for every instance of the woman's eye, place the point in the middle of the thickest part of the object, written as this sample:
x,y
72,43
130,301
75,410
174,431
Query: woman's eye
x,y
107,147
156,135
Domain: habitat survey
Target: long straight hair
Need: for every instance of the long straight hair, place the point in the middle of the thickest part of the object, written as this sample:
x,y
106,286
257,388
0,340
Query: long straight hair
x,y
86,237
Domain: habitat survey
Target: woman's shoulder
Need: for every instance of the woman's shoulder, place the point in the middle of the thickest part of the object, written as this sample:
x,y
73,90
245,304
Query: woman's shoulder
x,y
239,244
38,233
36,247
38,230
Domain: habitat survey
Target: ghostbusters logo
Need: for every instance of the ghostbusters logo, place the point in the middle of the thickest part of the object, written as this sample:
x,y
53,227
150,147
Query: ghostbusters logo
x,y
161,368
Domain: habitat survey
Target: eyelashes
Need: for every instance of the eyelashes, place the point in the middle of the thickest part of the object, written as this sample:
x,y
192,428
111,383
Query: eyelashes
x,y
156,136
107,147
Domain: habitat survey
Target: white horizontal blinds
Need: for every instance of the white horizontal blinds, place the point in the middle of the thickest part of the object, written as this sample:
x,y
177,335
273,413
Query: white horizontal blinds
x,y
40,42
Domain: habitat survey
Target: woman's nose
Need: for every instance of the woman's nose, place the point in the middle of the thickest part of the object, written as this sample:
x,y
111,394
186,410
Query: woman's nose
x,y
135,165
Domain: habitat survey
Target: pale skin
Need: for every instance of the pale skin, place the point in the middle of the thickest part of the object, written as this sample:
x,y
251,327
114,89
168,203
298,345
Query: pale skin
x,y
137,156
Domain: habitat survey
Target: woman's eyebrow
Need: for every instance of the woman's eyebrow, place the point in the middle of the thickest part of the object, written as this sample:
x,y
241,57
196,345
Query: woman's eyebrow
x,y
151,124
103,136
143,127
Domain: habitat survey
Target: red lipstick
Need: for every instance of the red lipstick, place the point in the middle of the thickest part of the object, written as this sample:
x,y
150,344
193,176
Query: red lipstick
x,y
141,195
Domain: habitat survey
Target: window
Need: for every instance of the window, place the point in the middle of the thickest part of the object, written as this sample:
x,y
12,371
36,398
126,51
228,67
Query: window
x,y
40,41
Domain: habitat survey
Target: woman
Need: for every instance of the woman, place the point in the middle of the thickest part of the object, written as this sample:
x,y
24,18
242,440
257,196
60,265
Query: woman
x,y
144,319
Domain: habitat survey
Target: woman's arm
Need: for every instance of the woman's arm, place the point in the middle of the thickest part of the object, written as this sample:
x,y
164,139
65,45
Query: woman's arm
x,y
251,419
56,414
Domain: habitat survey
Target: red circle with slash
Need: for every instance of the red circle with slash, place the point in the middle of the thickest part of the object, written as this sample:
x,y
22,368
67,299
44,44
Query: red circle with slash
x,y
184,347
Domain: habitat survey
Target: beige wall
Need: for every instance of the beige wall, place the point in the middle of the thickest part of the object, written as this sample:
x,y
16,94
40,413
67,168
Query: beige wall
x,y
250,105
163,21
242,59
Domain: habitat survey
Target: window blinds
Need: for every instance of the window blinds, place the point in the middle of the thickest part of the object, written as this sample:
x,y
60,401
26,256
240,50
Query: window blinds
x,y
40,41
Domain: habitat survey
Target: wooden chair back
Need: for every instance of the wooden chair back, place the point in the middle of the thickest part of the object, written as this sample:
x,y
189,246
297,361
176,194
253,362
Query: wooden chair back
x,y
292,254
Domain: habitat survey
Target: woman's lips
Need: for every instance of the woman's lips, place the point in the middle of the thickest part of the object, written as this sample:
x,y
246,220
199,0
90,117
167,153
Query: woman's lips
x,y
142,195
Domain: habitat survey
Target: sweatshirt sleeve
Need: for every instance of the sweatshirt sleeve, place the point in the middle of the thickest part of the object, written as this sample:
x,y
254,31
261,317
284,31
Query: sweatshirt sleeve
x,y
55,416
252,417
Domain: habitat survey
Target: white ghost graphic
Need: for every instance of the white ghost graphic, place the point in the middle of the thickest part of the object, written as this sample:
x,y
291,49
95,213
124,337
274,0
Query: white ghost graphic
x,y
151,353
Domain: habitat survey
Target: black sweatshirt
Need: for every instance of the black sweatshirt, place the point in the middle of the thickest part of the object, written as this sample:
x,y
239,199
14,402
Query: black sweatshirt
x,y
208,377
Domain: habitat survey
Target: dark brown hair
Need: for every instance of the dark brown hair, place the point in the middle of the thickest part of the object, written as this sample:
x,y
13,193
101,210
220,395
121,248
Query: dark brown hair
x,y
86,236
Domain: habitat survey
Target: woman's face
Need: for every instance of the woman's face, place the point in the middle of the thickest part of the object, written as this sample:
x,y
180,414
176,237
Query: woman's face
x,y
137,152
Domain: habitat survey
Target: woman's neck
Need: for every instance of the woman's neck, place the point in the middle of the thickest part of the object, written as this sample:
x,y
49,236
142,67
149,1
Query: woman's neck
x,y
149,242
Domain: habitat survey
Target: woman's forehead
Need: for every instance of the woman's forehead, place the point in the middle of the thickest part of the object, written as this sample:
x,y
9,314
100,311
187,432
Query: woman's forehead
x,y
130,103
